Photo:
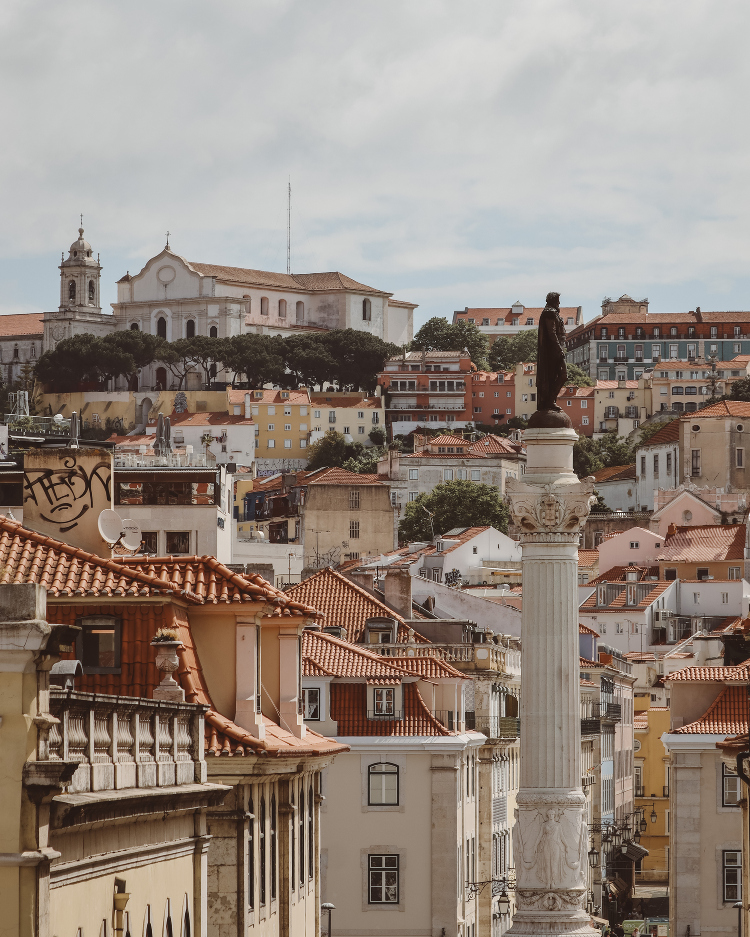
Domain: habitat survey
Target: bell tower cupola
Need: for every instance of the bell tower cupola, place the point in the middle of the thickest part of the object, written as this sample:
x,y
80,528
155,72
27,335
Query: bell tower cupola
x,y
80,277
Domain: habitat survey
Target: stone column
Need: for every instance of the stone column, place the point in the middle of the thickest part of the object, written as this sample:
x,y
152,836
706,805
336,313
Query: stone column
x,y
550,837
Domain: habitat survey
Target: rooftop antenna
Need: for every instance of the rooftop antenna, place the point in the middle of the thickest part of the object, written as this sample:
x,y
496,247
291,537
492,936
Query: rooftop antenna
x,y
289,226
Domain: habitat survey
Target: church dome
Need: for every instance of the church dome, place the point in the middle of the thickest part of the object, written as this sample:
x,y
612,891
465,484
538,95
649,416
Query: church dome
x,y
82,246
80,252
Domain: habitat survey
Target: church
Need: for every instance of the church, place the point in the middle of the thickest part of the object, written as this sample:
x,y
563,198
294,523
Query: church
x,y
176,298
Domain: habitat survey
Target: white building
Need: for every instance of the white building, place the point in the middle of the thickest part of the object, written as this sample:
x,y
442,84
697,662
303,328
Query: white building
x,y
658,464
232,436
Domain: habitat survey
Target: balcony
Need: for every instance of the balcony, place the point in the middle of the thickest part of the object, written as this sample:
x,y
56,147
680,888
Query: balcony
x,y
121,742
395,716
621,359
480,656
504,727
500,810
591,726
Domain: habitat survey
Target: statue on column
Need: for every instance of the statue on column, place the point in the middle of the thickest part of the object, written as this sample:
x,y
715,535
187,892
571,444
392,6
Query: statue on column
x,y
551,368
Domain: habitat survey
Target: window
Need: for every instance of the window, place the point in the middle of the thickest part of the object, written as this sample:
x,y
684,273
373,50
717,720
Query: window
x,y
282,309
731,789
310,833
287,427
346,430
674,352
413,495
250,856
382,785
635,544
366,310
385,701
264,305
725,598
301,838
287,445
669,463
92,291
740,458
271,426
413,474
734,572
383,879
72,291
161,327
695,462
178,541
732,874
643,465
361,430
354,530
311,699
331,416
190,328
98,644
585,421
149,542
656,466
448,475
353,500
273,846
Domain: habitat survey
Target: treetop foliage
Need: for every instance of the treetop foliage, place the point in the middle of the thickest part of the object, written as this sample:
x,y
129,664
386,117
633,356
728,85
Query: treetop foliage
x,y
438,334
459,503
510,350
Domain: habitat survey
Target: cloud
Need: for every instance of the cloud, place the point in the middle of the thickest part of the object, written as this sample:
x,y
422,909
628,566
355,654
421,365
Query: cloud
x,y
457,154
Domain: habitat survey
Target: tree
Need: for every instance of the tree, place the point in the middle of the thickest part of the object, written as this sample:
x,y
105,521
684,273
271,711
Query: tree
x,y
332,450
577,377
142,347
377,436
438,334
599,506
203,351
357,357
307,359
453,504
259,357
510,350
590,455
83,357
740,389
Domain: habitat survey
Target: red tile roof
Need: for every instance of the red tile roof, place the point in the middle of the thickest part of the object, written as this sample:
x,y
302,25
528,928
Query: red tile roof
x,y
739,673
317,282
584,629
619,603
324,654
615,473
617,573
349,710
588,558
710,543
237,397
427,667
492,445
727,715
344,401
28,323
722,408
668,433
613,385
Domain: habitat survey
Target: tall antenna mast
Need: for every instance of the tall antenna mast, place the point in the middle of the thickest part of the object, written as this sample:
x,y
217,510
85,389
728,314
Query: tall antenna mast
x,y
289,227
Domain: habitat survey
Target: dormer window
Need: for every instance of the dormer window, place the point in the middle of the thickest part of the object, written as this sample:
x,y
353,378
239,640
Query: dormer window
x,y
385,701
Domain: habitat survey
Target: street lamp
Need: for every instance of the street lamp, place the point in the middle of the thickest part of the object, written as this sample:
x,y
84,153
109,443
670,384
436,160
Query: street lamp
x,y
653,814
503,901
643,824
593,857
327,906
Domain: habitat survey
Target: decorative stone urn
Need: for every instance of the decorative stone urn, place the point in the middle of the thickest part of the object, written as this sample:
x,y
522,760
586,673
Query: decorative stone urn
x,y
168,662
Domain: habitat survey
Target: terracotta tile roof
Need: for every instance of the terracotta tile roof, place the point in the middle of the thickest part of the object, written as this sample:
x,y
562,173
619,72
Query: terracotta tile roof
x,y
587,683
737,673
618,604
206,418
586,663
327,655
313,282
429,667
668,433
237,397
507,312
710,543
211,582
723,408
617,573
573,391
727,715
491,444
342,401
340,476
445,440
615,473
27,323
588,558
439,456
613,385
639,656
349,710
344,604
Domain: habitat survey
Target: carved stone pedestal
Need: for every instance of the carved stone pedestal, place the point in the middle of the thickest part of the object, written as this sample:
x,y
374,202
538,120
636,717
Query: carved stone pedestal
x,y
550,836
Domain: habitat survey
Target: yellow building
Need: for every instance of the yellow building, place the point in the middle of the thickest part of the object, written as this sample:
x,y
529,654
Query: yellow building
x,y
525,388
353,414
621,406
282,420
651,781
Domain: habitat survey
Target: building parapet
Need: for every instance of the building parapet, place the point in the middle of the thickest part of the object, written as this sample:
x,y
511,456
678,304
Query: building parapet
x,y
482,656
121,742
174,459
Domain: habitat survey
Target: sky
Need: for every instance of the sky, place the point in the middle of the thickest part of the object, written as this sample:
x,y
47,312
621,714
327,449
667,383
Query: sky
x,y
456,154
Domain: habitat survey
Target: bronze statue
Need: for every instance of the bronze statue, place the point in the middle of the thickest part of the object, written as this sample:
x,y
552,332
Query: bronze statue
x,y
551,369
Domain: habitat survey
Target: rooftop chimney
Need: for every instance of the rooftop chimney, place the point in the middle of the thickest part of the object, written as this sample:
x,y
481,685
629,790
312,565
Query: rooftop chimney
x,y
398,591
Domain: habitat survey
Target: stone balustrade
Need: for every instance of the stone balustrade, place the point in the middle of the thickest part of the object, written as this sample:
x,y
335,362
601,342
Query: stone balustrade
x,y
123,742
482,656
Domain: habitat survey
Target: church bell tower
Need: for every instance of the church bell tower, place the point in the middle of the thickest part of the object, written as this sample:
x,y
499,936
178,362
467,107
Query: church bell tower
x,y
80,277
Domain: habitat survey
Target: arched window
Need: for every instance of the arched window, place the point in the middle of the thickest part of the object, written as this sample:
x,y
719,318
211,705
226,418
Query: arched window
x,y
282,309
161,378
72,291
300,311
33,351
366,310
262,849
264,305
161,327
92,291
383,784
134,327
213,332
190,328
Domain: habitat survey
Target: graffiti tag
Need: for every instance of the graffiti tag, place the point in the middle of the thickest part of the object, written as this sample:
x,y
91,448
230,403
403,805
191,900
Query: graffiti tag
x,y
65,493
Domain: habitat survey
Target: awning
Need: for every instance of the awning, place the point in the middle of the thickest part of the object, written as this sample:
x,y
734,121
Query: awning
x,y
635,852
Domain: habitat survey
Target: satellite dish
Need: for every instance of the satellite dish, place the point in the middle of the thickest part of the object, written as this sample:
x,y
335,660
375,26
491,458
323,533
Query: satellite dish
x,y
131,534
110,526
57,418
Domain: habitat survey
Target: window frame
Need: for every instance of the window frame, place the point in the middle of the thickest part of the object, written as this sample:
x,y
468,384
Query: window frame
x,y
373,771
306,693
727,775
736,867
372,870
176,533
90,623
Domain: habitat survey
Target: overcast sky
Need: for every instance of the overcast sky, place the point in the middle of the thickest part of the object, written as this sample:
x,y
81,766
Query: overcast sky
x,y
456,154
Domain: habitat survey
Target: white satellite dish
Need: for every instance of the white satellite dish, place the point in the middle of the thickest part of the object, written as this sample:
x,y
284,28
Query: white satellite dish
x,y
110,526
131,534
58,418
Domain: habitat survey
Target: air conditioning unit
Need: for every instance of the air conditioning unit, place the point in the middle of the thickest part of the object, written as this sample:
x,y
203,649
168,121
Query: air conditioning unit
x,y
663,615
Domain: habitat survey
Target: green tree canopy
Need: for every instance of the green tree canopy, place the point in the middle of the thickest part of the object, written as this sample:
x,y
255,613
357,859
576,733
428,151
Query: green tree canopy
x,y
740,389
83,357
438,334
357,357
510,350
454,504
577,377
590,455
333,451
261,358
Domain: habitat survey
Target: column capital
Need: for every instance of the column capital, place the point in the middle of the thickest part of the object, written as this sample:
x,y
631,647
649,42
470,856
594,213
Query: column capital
x,y
551,508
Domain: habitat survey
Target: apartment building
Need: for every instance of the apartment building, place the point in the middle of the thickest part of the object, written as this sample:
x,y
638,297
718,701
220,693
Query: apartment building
x,y
354,415
426,387
496,322
618,485
576,402
489,460
621,406
708,706
685,386
705,553
651,785
626,338
283,421
492,397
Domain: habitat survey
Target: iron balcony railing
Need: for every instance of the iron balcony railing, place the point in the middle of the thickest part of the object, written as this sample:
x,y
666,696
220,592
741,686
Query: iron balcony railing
x,y
394,716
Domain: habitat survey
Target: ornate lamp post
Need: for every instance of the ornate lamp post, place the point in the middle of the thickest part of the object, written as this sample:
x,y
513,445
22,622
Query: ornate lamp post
x,y
549,505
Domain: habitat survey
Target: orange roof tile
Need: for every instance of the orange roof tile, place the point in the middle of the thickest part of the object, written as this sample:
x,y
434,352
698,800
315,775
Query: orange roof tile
x,y
736,673
27,323
324,654
723,408
613,385
237,397
428,667
344,401
619,603
727,715
710,543
588,558
349,710
615,473
584,629
617,573
318,282
341,476
668,433
491,444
